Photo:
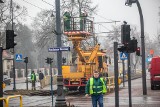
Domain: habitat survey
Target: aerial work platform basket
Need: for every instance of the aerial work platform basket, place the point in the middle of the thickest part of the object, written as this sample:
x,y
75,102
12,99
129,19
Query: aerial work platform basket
x,y
78,27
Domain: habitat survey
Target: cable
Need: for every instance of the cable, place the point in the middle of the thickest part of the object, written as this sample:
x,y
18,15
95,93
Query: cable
x,y
33,4
47,3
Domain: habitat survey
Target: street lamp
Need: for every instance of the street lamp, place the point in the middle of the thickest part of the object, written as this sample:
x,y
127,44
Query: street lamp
x,y
60,99
129,3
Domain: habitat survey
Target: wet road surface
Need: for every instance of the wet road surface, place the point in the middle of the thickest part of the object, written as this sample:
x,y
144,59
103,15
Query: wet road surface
x,y
152,99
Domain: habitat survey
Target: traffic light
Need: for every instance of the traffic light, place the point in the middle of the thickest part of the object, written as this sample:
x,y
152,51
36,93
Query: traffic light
x,y
122,49
26,59
49,60
132,46
1,1
10,39
138,51
64,60
125,34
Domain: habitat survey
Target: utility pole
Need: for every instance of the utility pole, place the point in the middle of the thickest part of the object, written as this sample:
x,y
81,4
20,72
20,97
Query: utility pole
x,y
60,99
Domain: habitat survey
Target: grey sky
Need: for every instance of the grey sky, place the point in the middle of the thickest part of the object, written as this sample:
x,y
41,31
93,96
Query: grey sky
x,y
113,10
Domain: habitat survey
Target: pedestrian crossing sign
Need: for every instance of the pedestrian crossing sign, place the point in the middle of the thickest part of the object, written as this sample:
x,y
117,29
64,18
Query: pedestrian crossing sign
x,y
18,57
123,56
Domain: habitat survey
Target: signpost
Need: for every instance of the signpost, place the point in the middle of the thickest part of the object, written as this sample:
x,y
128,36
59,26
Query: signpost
x,y
123,56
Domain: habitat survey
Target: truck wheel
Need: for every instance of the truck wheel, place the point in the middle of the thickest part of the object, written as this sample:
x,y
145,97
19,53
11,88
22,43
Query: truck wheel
x,y
152,87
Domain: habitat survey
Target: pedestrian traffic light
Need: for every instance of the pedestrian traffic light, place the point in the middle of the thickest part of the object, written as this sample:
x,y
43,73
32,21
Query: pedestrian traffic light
x,y
125,34
51,60
10,39
26,59
138,51
122,49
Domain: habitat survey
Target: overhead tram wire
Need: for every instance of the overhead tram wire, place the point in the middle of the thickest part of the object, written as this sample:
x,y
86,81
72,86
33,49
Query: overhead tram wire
x,y
47,3
33,4
112,21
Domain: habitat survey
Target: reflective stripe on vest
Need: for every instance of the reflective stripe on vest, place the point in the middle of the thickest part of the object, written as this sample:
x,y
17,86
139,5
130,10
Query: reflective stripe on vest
x,y
103,87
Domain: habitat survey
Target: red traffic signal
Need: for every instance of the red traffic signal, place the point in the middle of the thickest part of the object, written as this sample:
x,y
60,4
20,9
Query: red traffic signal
x,y
138,51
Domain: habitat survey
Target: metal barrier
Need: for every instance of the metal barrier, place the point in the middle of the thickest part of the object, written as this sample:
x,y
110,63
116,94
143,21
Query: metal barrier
x,y
110,83
15,96
4,99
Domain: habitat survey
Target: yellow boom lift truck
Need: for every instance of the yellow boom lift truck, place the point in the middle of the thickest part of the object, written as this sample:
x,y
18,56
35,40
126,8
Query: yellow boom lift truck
x,y
76,75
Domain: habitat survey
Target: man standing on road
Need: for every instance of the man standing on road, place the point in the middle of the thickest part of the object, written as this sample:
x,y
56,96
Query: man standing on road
x,y
33,78
41,77
96,87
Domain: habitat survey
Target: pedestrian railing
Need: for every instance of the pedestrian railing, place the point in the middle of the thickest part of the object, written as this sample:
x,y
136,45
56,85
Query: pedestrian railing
x,y
4,99
111,83
15,96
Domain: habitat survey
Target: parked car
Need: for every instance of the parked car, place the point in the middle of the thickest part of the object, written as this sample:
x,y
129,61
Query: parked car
x,y
6,80
29,77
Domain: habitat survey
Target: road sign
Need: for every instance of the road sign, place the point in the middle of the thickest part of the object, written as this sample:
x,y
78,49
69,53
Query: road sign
x,y
18,57
56,49
123,56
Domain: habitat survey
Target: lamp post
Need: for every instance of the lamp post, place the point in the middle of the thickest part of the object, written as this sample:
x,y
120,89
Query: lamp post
x,y
129,3
60,99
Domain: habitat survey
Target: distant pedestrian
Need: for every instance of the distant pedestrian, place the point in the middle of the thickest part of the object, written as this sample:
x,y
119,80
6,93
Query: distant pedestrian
x,y
96,87
41,79
33,79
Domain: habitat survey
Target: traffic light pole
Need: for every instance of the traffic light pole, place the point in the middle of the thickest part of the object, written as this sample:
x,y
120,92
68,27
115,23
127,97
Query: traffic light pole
x,y
51,81
129,81
14,76
26,77
123,64
116,74
60,99
1,77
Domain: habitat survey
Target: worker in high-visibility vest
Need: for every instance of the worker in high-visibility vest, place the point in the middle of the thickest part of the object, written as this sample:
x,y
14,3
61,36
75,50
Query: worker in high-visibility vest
x,y
96,87
67,20
33,79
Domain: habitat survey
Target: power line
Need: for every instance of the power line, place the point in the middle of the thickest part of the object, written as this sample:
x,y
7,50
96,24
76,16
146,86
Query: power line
x,y
33,4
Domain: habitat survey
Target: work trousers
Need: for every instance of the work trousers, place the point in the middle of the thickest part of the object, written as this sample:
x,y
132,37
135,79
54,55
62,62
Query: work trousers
x,y
33,85
97,98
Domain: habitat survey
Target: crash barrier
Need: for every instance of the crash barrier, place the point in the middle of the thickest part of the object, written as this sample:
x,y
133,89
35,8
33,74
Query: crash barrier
x,y
15,96
48,80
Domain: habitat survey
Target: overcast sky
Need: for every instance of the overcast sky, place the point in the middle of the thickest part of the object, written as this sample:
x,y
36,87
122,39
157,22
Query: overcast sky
x,y
111,10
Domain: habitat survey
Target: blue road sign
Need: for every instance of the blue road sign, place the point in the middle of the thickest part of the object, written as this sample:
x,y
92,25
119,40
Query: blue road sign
x,y
58,49
123,56
18,57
